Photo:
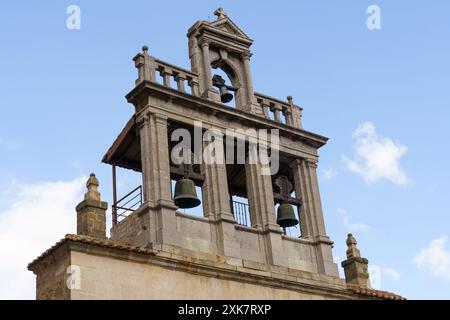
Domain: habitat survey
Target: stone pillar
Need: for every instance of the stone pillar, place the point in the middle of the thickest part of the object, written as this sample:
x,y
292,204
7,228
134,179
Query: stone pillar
x,y
251,105
288,116
145,65
180,82
355,267
206,65
156,177
295,114
216,205
208,90
165,74
276,109
91,212
248,77
262,212
311,216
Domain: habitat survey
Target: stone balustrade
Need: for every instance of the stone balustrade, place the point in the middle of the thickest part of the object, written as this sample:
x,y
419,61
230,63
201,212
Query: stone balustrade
x,y
148,66
176,78
179,75
280,111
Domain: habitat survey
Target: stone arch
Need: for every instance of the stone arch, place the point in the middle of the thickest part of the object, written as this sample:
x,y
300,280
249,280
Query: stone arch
x,y
234,74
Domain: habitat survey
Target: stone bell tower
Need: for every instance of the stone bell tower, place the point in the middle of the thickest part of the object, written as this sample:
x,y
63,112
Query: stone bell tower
x,y
221,44
244,245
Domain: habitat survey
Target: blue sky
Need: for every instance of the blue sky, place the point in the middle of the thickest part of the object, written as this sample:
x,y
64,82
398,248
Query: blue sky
x,y
62,105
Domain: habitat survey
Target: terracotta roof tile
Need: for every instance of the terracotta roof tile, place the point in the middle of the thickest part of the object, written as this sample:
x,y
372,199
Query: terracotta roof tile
x,y
374,293
94,241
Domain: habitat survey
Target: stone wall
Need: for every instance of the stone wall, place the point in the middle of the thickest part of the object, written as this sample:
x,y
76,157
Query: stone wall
x,y
51,280
104,277
106,269
197,234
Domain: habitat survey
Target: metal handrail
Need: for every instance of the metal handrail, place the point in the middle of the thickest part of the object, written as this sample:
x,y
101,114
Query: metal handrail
x,y
124,207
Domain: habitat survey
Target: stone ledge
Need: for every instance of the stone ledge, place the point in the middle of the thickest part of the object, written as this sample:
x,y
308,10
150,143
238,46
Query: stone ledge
x,y
211,266
91,203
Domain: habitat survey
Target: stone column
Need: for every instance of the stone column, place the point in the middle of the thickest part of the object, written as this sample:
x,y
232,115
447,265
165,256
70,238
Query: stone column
x,y
216,205
276,109
165,74
355,267
206,65
180,82
91,212
248,77
305,173
143,121
208,90
288,116
262,212
251,105
156,177
311,215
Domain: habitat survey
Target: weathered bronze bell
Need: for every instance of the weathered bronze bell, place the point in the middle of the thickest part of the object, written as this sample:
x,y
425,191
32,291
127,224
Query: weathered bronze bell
x,y
225,96
185,195
286,216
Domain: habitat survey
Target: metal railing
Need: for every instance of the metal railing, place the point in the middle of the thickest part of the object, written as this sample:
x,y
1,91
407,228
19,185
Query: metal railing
x,y
241,212
126,205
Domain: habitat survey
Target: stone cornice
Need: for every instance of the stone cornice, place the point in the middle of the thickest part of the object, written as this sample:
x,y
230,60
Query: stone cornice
x,y
91,203
155,89
202,26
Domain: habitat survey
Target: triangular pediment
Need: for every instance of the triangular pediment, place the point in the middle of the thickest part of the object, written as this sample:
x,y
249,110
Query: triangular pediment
x,y
227,25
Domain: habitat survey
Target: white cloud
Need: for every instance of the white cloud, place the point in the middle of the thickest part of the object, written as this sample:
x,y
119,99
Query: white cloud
x,y
328,173
35,217
377,273
351,226
377,157
390,273
435,259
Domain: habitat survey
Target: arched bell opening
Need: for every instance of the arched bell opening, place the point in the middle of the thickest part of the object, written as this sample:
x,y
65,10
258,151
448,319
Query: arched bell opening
x,y
185,172
227,72
237,189
295,230
187,188
236,154
287,202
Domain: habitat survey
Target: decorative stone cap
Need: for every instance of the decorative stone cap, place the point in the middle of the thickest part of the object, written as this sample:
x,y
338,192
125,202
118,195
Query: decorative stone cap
x,y
92,188
352,250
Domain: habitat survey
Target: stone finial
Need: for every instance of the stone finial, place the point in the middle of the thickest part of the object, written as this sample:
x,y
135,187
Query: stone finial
x,y
92,188
91,212
220,13
351,241
355,267
289,99
352,250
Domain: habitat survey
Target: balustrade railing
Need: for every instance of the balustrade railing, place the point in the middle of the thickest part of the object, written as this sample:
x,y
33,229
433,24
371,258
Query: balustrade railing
x,y
277,110
280,111
148,66
241,213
